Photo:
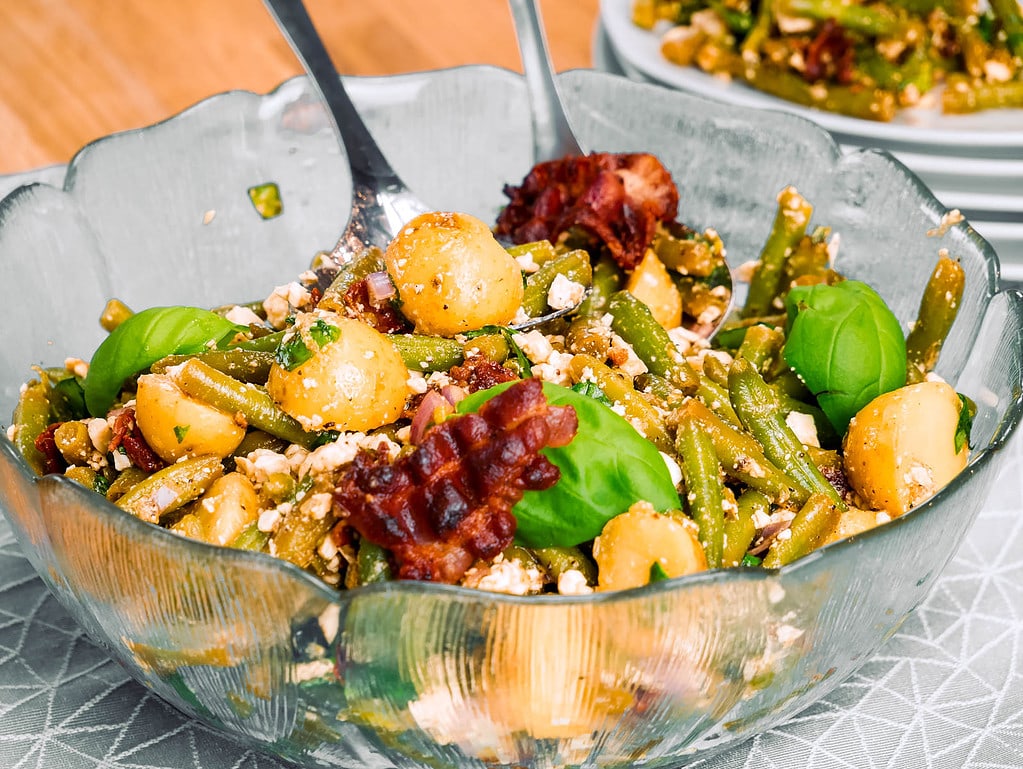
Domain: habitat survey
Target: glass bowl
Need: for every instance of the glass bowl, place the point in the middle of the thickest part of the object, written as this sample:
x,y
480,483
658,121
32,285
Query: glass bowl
x,y
410,674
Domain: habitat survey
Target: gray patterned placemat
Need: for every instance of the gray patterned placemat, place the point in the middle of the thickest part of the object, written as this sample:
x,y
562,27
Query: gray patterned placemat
x,y
946,692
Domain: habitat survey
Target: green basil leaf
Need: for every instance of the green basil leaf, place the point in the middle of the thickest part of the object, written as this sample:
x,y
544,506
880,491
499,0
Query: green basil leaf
x,y
846,345
606,468
142,340
964,425
657,573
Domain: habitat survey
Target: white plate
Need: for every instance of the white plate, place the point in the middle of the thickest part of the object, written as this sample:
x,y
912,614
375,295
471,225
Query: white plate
x,y
994,131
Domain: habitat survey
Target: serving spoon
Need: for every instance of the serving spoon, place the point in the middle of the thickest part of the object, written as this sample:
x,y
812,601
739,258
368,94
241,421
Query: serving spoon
x,y
381,202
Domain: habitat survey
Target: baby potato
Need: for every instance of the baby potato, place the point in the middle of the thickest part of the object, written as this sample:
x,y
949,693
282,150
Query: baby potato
x,y
631,543
176,425
352,377
651,283
227,507
452,275
900,447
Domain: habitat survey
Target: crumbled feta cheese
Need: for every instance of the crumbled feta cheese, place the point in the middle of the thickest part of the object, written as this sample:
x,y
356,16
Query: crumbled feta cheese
x,y
804,427
100,433
535,345
317,506
526,263
626,358
573,582
504,576
555,369
673,468
564,293
268,520
243,316
261,464
416,383
77,366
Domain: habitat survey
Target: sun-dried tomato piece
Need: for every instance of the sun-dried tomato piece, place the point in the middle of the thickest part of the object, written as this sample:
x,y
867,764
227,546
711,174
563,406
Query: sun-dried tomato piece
x,y
128,436
384,316
830,55
46,444
442,506
618,197
480,373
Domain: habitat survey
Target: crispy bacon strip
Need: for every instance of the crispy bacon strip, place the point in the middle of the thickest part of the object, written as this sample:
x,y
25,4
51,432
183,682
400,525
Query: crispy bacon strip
x,y
128,436
480,373
449,502
830,55
618,197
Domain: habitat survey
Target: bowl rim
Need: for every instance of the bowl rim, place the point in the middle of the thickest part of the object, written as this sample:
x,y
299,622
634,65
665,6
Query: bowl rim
x,y
114,517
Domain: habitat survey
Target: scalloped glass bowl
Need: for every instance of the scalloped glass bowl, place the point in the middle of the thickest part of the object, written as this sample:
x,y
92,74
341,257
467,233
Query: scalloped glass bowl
x,y
412,674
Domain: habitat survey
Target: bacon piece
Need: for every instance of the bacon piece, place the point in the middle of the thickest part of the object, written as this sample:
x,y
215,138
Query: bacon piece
x,y
449,502
46,444
128,436
384,317
618,197
480,373
830,55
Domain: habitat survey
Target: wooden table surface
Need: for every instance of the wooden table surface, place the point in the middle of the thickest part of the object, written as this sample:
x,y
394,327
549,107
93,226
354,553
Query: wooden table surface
x,y
74,70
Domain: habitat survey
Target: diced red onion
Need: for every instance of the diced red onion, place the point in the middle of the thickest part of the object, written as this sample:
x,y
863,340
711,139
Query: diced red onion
x,y
379,288
426,415
453,393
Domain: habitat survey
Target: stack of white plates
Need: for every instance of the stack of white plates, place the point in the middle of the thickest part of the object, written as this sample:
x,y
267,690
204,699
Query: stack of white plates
x,y
970,162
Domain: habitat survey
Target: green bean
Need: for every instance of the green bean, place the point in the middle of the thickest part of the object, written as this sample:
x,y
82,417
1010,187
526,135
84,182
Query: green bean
x,y
807,531
685,251
859,18
247,365
761,346
588,334
257,439
266,343
299,535
632,320
790,221
226,393
715,397
704,494
491,346
761,413
420,352
961,96
557,560
761,29
522,556
372,563
1009,13
368,261
115,312
541,251
607,278
740,531
660,388
575,265
742,457
171,488
82,475
73,442
938,309
125,481
826,434
31,418
716,370
250,538
643,415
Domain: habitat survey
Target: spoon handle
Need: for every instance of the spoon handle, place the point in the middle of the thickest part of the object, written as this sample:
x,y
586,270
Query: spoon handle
x,y
553,137
364,156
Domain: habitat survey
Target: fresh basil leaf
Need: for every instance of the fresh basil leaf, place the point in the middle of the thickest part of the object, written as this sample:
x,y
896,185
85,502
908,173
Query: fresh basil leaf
x,y
292,352
142,340
846,345
657,573
323,333
751,560
606,468
591,390
180,431
964,425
